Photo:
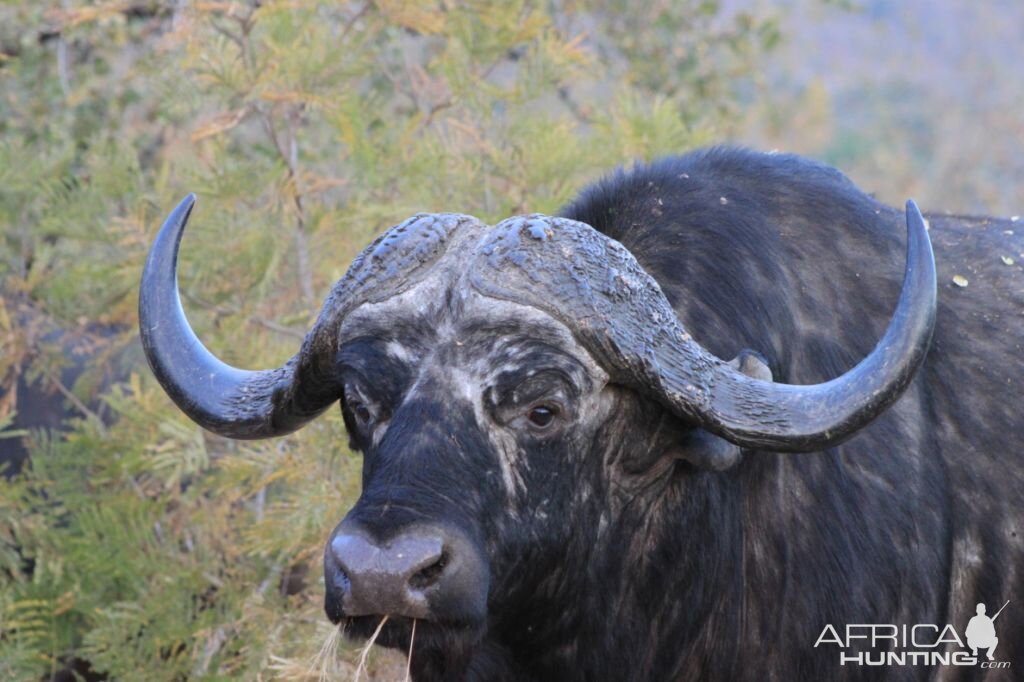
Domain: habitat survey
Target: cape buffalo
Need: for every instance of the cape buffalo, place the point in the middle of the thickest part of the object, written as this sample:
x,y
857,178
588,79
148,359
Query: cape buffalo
x,y
564,479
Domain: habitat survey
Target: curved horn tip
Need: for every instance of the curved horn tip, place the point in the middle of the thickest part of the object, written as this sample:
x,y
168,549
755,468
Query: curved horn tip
x,y
172,228
791,418
228,401
180,215
919,250
914,216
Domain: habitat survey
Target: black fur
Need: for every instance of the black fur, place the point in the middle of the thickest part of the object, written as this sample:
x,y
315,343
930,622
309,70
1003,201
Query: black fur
x,y
605,569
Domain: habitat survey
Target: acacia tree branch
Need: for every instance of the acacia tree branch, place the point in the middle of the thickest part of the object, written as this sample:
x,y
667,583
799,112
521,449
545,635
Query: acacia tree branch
x,y
288,151
76,402
352,22
301,242
230,35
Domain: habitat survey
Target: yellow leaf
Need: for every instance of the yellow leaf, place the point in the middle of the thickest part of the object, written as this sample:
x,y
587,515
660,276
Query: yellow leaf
x,y
1007,260
218,124
959,280
412,16
283,96
313,183
77,16
215,7
65,603
573,49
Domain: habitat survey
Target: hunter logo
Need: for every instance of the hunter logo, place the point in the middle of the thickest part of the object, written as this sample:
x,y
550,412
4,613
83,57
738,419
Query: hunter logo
x,y
981,631
877,644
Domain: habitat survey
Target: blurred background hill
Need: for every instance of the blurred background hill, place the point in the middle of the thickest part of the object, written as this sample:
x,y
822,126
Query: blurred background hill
x,y
133,545
908,97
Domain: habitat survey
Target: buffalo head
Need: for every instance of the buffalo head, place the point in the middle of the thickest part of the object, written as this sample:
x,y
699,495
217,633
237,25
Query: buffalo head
x,y
503,383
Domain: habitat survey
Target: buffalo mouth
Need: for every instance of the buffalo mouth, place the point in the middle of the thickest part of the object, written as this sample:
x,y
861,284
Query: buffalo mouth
x,y
440,650
397,632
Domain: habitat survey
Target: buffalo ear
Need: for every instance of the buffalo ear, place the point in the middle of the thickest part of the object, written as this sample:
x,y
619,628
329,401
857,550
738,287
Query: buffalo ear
x,y
704,449
753,364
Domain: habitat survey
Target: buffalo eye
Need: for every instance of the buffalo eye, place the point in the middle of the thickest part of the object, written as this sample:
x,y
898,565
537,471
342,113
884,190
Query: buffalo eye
x,y
541,416
360,411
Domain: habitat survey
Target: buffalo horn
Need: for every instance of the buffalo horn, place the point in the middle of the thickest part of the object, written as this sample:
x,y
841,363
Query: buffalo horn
x,y
596,287
258,404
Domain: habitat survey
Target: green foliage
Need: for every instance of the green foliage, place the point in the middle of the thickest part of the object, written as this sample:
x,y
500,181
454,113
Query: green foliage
x,y
147,546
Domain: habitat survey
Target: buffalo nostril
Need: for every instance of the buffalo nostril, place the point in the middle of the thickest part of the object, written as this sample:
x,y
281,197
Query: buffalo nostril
x,y
340,580
419,572
429,574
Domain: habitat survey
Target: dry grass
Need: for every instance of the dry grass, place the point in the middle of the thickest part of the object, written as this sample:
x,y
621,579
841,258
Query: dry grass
x,y
365,652
324,663
338,661
408,665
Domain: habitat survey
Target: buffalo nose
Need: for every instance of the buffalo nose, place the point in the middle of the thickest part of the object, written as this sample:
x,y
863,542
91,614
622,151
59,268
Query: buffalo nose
x,y
395,577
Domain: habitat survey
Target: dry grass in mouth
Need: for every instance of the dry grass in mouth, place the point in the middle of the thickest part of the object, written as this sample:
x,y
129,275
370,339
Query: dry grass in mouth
x,y
330,664
412,640
323,662
364,653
